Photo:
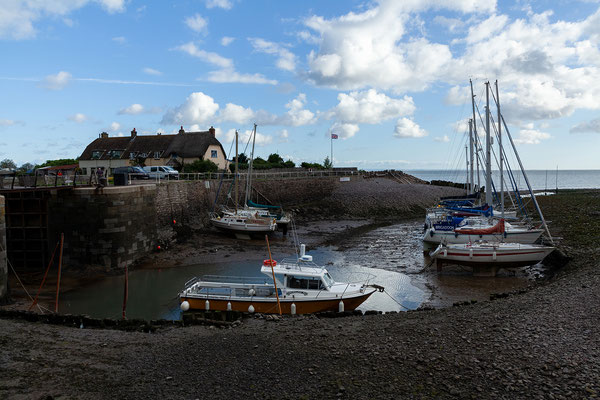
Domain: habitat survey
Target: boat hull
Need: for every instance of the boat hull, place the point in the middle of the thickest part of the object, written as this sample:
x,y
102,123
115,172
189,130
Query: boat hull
x,y
243,227
504,258
269,305
450,237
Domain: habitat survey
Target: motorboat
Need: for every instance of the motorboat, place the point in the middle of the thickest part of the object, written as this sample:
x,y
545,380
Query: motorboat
x,y
292,286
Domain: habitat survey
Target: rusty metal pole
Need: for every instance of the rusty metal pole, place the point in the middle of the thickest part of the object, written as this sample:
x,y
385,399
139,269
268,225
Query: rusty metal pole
x,y
273,272
126,292
62,240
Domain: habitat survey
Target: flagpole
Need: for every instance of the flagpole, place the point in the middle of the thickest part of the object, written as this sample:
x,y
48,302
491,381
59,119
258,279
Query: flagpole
x,y
331,160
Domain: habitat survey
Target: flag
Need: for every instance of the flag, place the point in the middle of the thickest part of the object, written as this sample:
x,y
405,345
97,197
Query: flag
x,y
334,136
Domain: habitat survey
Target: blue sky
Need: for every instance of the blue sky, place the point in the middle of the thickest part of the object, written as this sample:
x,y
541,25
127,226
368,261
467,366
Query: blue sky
x,y
389,77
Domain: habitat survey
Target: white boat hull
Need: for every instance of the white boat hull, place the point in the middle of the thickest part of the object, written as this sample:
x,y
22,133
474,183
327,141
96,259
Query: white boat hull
x,y
450,237
245,226
499,254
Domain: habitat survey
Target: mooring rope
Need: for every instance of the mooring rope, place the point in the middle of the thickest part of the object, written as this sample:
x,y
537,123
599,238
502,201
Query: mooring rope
x,y
19,279
396,301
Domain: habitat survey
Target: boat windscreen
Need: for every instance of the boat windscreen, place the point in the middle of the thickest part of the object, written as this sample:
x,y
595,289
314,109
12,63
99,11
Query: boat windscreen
x,y
328,279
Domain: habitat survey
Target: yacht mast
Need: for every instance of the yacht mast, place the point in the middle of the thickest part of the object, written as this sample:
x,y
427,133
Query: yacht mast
x,y
467,160
501,153
250,169
470,162
475,137
488,148
236,172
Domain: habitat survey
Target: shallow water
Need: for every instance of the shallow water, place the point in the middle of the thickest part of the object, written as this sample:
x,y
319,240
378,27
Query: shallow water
x,y
392,255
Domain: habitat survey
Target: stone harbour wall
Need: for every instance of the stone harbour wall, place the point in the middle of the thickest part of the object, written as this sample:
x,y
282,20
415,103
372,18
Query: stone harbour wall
x,y
109,228
189,202
3,259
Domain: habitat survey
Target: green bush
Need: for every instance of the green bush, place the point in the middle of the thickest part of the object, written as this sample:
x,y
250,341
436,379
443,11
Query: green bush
x,y
200,166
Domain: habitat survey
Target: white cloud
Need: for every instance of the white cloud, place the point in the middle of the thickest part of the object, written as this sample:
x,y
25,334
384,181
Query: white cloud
x,y
209,57
232,76
133,109
286,59
283,136
297,115
227,40
370,107
115,126
344,131
79,118
198,108
407,128
235,113
589,126
197,23
7,122
442,139
244,137
531,136
151,71
17,18
224,4
56,82
119,39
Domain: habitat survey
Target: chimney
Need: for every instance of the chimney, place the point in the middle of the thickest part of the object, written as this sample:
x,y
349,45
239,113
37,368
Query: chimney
x,y
212,131
133,133
104,135
181,131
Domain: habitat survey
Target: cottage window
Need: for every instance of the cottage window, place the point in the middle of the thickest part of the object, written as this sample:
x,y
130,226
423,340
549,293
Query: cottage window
x,y
114,154
132,156
213,154
157,155
96,154
84,171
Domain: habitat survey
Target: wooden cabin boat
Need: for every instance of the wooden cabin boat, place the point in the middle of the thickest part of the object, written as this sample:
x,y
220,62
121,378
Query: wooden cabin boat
x,y
490,254
293,286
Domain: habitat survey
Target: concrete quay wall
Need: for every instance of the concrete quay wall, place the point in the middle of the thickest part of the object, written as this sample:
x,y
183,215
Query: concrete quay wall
x,y
108,228
3,259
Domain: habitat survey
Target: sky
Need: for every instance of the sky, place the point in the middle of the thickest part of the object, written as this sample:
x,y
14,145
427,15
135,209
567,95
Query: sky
x,y
390,78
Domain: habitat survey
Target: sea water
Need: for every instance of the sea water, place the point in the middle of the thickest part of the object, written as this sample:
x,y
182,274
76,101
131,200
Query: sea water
x,y
539,179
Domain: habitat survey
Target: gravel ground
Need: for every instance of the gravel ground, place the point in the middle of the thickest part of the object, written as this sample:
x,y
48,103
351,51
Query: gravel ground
x,y
542,343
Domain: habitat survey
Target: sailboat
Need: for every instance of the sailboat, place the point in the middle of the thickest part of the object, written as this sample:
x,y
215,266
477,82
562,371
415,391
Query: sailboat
x,y
241,220
282,218
483,240
460,220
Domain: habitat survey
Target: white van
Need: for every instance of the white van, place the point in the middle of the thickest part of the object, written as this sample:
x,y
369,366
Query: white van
x,y
162,172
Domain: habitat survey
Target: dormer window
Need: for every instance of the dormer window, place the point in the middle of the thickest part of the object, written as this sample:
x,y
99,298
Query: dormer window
x,y
157,155
114,154
96,154
132,156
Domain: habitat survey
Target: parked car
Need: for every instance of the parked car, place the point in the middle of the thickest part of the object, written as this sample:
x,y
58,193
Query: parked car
x,y
162,172
132,172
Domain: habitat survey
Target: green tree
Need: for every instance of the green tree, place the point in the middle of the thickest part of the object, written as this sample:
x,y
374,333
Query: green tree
x,y
275,159
289,164
7,163
201,166
26,167
327,163
242,159
55,163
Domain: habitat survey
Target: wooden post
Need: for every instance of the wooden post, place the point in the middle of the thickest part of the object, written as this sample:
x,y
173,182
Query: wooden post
x,y
44,280
273,272
62,239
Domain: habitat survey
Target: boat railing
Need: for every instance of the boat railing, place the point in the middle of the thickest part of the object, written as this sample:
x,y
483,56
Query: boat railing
x,y
297,264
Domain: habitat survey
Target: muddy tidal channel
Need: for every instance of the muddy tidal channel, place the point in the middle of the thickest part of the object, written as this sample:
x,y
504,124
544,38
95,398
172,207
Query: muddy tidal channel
x,y
391,256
